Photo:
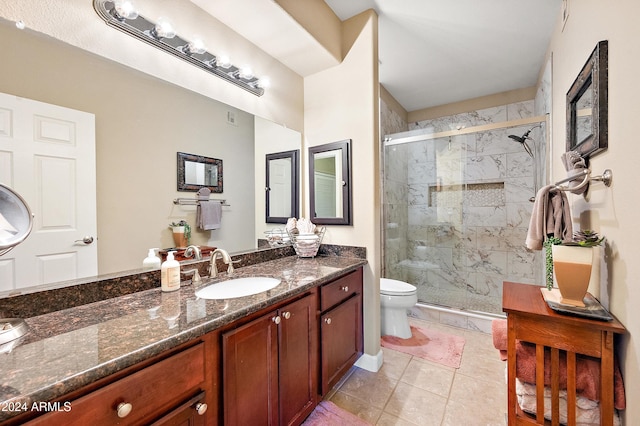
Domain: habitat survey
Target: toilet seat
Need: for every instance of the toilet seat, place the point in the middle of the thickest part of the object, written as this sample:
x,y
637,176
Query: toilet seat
x,y
390,287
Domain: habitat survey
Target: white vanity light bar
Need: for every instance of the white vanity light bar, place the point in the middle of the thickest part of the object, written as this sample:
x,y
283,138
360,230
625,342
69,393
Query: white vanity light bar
x,y
145,30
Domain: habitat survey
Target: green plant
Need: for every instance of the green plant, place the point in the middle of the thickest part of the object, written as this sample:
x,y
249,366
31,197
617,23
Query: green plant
x,y
551,241
586,238
187,228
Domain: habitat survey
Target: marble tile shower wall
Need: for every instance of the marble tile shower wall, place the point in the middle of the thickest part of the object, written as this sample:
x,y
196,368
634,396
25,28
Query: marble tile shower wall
x,y
457,210
394,176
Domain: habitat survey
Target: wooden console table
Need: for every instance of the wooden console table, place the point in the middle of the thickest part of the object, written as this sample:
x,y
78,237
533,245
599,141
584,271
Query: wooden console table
x,y
529,319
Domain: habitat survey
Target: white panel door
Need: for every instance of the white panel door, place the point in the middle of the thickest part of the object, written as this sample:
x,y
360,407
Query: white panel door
x,y
47,155
280,184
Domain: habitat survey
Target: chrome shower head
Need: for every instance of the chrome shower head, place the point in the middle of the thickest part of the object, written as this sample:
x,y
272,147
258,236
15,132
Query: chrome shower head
x,y
517,138
523,140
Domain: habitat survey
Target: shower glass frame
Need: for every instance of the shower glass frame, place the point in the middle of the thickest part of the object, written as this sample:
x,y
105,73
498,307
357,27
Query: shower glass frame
x,y
456,210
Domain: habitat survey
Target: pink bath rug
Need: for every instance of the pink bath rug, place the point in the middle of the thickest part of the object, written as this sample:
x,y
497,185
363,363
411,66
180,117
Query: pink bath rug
x,y
329,414
432,345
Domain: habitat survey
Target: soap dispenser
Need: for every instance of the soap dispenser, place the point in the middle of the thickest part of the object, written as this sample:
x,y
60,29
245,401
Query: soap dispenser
x,y
151,261
170,273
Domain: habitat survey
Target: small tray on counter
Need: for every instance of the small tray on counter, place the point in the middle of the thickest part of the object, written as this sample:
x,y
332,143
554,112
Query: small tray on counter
x,y
592,309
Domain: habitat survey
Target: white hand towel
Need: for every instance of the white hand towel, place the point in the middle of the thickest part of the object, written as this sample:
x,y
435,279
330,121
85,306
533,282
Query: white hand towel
x,y
209,215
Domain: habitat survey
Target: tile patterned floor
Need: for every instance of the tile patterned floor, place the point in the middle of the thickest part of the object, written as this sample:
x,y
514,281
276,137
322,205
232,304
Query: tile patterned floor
x,y
410,391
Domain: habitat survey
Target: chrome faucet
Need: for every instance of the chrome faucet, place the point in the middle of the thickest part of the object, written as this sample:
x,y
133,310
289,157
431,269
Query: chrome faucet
x,y
213,269
193,251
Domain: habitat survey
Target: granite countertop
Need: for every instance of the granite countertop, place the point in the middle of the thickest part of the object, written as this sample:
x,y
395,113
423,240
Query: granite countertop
x,y
67,349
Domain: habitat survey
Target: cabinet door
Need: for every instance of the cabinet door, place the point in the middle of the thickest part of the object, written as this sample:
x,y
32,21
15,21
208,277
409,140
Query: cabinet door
x,y
341,340
250,373
298,360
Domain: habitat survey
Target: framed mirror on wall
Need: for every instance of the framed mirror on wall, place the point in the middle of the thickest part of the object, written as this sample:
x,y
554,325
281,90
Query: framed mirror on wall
x,y
196,171
282,186
587,105
330,183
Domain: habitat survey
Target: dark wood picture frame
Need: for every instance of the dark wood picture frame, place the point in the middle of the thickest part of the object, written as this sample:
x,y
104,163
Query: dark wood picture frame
x,y
590,89
294,155
214,169
345,217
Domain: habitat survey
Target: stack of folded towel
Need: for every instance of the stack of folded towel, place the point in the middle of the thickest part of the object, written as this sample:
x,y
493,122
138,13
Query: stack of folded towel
x,y
587,368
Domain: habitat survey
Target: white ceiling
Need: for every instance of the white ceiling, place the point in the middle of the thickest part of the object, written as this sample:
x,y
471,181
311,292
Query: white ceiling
x,y
434,52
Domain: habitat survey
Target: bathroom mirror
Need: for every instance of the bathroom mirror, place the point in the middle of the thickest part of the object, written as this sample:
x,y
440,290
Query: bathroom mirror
x,y
282,183
16,219
330,183
587,106
196,171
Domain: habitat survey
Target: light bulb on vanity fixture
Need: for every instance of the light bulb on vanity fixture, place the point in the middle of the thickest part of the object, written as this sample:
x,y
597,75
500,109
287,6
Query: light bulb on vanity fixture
x,y
125,10
224,61
244,73
163,29
122,15
195,46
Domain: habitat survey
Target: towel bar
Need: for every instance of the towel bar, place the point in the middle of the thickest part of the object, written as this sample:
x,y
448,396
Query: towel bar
x,y
193,202
605,178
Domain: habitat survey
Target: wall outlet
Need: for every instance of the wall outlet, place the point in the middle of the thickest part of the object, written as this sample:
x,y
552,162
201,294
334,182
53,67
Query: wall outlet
x,y
231,118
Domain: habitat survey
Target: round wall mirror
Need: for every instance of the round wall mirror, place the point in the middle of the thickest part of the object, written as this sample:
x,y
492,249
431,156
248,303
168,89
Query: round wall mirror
x,y
15,219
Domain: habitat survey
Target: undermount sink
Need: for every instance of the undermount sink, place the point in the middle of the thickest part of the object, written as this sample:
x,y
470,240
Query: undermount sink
x,y
237,287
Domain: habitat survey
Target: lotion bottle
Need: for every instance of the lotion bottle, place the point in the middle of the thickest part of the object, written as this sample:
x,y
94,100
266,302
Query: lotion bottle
x,y
170,273
151,261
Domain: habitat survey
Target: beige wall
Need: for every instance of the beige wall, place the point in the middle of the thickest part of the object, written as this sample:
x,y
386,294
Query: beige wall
x,y
343,103
496,99
611,211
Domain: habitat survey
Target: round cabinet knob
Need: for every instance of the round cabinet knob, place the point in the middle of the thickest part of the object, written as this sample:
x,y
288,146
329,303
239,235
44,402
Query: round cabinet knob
x,y
327,320
286,315
276,319
201,408
345,288
124,409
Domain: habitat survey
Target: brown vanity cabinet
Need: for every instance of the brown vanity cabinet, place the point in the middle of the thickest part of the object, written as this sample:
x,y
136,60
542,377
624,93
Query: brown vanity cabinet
x,y
269,366
168,392
341,341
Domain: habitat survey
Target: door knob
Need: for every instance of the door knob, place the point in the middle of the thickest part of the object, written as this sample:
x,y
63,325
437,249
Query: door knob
x,y
87,240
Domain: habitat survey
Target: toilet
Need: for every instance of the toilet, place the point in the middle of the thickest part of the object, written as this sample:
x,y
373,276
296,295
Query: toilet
x,y
395,298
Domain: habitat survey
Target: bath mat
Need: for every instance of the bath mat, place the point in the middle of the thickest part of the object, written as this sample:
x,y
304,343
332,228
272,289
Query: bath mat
x,y
329,414
432,345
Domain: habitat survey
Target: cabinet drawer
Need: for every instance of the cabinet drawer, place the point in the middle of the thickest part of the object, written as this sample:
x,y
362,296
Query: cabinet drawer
x,y
152,392
341,289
